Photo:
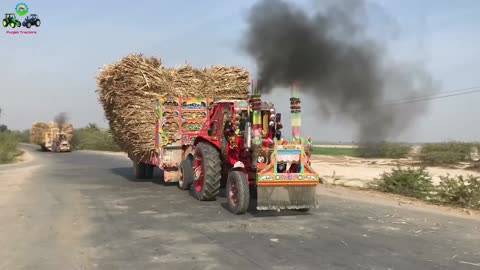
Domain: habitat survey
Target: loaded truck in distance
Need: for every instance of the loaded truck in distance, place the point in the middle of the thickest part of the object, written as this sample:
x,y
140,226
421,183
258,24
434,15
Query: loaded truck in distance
x,y
51,138
203,143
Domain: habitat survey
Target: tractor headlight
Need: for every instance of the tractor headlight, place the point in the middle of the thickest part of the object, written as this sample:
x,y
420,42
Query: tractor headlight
x,y
261,159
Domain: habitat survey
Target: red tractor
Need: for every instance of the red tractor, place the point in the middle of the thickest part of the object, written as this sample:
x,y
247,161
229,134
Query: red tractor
x,y
205,144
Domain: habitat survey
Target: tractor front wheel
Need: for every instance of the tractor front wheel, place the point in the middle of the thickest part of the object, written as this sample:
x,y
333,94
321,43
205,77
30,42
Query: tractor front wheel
x,y
186,175
19,24
29,25
12,25
238,192
207,172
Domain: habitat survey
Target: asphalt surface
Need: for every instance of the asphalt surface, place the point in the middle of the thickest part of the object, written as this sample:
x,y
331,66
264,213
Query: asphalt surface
x,y
83,210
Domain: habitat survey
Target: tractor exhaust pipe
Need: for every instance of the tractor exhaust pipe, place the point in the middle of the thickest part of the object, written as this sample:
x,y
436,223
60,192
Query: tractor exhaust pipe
x,y
295,109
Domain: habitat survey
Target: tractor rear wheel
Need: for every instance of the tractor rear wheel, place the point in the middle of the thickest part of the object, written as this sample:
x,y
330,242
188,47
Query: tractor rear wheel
x,y
139,170
12,24
4,23
186,175
238,192
207,172
37,23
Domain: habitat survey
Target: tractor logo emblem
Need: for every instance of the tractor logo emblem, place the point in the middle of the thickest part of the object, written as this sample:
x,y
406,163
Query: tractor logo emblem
x,y
21,9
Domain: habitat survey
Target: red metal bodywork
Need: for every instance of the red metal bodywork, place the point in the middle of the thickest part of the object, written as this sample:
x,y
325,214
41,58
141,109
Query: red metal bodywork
x,y
184,122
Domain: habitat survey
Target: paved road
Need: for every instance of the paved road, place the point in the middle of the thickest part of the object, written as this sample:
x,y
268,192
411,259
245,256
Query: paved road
x,y
84,211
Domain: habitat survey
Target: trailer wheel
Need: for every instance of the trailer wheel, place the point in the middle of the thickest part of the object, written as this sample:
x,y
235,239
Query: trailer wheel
x,y
149,171
139,170
238,192
207,172
186,175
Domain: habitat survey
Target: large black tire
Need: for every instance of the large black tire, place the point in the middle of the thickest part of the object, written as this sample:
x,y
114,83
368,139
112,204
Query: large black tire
x,y
238,192
186,175
4,23
149,171
37,23
29,25
207,190
139,170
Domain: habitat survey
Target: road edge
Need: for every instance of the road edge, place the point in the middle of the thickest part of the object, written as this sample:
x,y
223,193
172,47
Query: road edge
x,y
24,158
393,200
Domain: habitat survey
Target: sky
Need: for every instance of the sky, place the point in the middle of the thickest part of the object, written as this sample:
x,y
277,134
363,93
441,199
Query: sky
x,y
54,70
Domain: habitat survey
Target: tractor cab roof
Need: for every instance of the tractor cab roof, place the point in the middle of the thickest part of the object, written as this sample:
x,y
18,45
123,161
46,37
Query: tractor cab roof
x,y
9,14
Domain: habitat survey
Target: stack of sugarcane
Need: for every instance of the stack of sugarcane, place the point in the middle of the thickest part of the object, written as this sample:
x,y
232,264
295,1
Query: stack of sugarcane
x,y
37,132
40,129
129,89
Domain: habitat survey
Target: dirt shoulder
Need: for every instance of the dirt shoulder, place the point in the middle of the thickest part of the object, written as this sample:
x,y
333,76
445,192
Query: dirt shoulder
x,y
345,177
393,200
357,172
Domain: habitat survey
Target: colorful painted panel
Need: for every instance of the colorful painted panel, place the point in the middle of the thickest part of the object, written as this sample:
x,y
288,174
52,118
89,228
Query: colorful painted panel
x,y
241,104
288,177
288,155
194,104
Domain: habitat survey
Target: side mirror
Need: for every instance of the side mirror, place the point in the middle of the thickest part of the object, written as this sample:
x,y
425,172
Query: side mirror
x,y
278,117
248,135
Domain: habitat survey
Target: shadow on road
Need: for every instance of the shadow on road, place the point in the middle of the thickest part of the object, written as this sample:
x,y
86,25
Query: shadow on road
x,y
127,174
252,208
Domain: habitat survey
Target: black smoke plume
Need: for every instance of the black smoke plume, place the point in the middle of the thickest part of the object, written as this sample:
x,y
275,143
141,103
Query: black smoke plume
x,y
61,120
332,56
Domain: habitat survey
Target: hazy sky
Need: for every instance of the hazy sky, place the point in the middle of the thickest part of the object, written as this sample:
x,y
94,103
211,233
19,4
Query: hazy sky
x,y
54,70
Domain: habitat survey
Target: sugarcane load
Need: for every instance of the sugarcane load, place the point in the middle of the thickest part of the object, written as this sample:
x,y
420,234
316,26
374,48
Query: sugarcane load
x,y
204,129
